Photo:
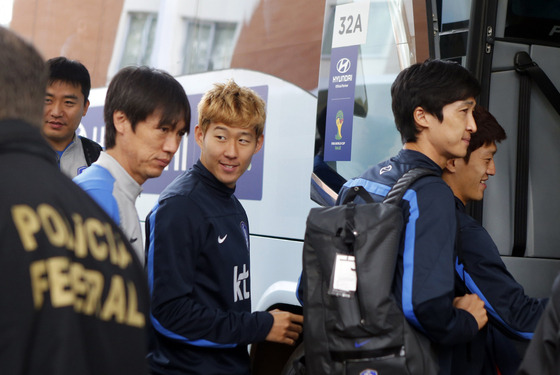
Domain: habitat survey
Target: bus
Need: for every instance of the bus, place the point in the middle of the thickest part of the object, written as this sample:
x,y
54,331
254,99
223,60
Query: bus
x,y
299,56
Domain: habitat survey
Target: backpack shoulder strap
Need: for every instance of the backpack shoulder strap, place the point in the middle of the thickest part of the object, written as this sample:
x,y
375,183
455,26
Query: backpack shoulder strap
x,y
357,191
394,196
91,150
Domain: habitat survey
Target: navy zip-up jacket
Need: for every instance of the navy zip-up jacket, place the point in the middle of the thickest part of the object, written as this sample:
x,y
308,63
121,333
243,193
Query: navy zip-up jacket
x,y
424,278
199,277
512,313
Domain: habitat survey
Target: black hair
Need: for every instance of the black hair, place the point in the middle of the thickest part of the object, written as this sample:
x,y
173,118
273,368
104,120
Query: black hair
x,y
138,92
488,131
69,71
431,85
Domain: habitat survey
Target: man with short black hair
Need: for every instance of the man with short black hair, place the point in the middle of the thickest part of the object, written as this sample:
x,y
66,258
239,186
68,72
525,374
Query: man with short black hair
x,y
146,115
66,102
514,315
432,104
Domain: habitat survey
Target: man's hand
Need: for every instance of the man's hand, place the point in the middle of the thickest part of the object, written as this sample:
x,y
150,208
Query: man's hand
x,y
474,305
286,327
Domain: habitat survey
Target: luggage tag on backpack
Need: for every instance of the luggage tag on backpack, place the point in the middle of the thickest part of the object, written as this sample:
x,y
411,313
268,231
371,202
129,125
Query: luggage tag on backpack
x,y
343,278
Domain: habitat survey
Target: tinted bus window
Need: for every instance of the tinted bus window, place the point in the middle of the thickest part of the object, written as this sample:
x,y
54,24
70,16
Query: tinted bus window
x,y
368,125
536,20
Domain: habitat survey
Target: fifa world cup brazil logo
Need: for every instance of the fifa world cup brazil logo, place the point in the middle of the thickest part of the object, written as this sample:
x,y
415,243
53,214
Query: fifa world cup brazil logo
x,y
339,122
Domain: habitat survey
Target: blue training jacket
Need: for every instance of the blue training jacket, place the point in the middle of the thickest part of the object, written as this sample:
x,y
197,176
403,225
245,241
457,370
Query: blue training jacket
x,y
424,278
199,279
513,316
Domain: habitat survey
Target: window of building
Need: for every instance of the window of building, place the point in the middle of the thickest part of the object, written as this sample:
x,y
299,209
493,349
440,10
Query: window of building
x,y
208,46
139,39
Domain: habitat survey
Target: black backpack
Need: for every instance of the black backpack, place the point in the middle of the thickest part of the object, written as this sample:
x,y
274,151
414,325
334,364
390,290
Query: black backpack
x,y
361,331
91,150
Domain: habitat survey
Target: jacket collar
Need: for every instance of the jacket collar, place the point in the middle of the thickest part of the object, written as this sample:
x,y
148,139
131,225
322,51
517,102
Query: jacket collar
x,y
210,180
17,136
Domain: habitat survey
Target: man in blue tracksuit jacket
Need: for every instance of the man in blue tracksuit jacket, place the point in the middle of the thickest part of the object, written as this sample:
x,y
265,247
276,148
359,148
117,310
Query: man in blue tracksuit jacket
x,y
513,316
198,250
432,104
146,115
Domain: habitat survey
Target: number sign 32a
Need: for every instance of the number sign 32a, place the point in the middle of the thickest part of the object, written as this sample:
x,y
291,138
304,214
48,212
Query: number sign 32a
x,y
350,26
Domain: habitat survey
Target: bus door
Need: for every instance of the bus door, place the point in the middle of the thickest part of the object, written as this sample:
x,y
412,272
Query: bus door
x,y
521,205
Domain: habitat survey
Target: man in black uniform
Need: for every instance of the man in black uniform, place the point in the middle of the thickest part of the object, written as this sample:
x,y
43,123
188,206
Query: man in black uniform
x,y
74,298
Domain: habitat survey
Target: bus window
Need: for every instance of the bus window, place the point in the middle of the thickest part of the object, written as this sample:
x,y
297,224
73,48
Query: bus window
x,y
450,23
367,129
537,21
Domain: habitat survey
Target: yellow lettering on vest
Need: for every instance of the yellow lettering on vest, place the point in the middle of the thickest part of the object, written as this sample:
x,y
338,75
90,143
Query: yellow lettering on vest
x,y
125,257
80,243
115,303
53,225
39,282
71,284
117,249
111,243
79,285
88,287
27,224
134,317
95,282
94,231
69,227
59,280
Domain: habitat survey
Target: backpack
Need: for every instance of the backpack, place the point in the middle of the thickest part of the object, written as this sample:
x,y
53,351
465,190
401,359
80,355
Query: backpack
x,y
353,325
91,150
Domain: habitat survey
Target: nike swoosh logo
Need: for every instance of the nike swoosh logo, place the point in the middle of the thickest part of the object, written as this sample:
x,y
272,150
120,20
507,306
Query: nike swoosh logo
x,y
132,240
222,239
360,344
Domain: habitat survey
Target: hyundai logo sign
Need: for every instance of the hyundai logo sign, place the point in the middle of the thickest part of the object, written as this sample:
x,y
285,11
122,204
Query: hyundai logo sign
x,y
343,65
